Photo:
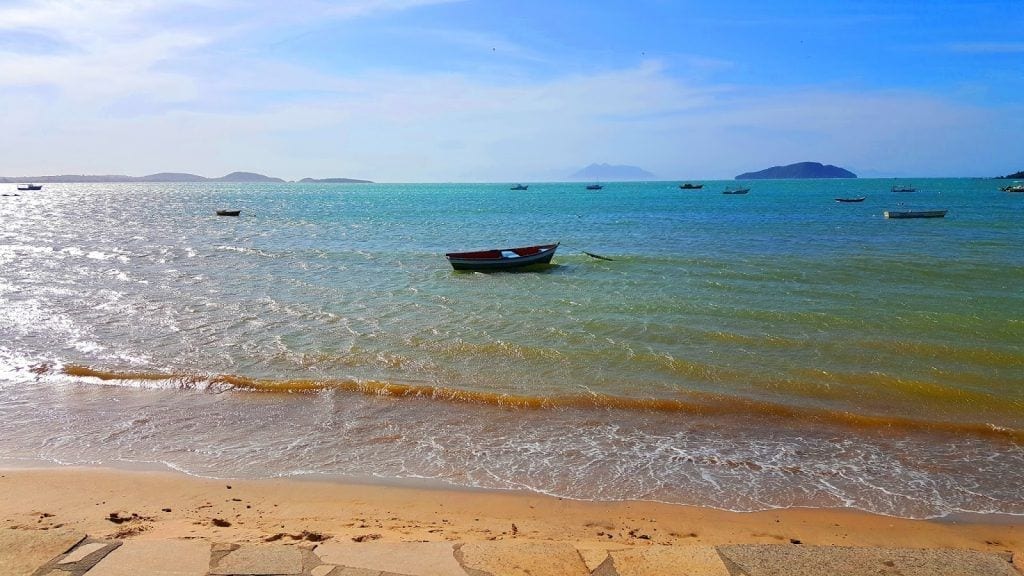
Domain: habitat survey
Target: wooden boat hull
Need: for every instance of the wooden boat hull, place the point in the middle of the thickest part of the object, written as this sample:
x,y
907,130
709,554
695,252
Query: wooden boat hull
x,y
228,212
594,187
916,214
502,259
519,187
690,186
740,191
861,199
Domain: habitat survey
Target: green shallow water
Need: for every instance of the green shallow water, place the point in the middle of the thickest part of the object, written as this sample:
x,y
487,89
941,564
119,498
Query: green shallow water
x,y
757,313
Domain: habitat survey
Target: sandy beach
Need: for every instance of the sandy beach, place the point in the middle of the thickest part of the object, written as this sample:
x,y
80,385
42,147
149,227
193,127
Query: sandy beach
x,y
129,505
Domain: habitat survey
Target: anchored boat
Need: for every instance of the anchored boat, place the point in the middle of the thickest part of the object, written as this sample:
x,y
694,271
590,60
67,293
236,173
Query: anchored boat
x,y
916,214
503,258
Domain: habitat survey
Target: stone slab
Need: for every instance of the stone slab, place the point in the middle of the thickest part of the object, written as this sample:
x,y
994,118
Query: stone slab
x,y
322,570
156,558
507,558
260,560
593,557
412,558
783,560
664,561
349,571
22,552
79,554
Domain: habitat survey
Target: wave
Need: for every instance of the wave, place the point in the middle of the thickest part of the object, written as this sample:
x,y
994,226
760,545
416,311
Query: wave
x,y
694,403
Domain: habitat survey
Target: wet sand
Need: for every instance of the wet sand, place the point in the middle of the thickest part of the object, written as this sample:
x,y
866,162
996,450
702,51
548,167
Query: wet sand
x,y
121,504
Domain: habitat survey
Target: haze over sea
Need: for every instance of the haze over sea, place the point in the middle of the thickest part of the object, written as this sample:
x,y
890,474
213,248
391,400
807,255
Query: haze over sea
x,y
776,349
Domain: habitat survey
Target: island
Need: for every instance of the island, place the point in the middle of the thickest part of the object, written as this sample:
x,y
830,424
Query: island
x,y
168,177
333,181
1014,176
607,172
799,170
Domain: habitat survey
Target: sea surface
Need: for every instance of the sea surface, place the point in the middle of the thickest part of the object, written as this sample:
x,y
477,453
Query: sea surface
x,y
745,352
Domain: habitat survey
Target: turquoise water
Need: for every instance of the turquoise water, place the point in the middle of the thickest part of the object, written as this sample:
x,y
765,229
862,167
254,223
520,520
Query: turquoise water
x,y
746,352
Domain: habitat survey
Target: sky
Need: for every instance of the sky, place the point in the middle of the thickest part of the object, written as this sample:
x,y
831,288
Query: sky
x,y
509,90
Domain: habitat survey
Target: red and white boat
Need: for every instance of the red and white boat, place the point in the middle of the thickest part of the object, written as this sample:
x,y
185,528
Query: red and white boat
x,y
502,259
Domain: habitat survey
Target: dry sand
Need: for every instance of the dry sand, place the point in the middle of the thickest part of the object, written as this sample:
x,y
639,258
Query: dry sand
x,y
141,505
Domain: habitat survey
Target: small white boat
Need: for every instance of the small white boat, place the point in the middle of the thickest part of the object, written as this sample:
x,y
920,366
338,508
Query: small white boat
x,y
30,186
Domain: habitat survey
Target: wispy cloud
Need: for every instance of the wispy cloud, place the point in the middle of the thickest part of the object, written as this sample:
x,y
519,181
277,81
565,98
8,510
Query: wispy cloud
x,y
355,8
986,47
416,127
480,42
143,86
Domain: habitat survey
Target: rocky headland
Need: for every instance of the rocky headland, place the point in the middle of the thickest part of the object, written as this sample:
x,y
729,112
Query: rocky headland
x,y
799,170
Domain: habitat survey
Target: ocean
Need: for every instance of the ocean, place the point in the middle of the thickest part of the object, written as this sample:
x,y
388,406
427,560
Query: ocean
x,y
745,352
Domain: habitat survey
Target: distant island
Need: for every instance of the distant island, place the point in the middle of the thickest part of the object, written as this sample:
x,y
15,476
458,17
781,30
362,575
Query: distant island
x,y
246,177
799,170
333,181
612,172
1014,176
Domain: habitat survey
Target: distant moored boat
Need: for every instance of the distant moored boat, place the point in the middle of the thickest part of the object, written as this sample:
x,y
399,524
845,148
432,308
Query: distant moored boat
x,y
519,187
858,199
904,189
228,212
916,214
689,186
594,187
735,190
30,186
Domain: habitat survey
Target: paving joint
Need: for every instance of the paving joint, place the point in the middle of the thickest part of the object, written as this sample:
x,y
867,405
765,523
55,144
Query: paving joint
x,y
90,556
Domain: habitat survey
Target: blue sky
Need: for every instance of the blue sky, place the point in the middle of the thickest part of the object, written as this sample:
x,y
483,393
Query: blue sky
x,y
473,90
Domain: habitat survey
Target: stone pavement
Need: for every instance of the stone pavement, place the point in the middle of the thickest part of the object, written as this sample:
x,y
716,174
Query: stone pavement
x,y
64,554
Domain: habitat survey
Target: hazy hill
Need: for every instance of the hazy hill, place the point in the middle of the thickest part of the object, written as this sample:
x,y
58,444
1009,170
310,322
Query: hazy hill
x,y
244,177
170,177
612,172
334,181
69,178
799,170
1014,176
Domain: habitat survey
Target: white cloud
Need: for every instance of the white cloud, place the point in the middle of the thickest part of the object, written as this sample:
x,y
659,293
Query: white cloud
x,y
129,96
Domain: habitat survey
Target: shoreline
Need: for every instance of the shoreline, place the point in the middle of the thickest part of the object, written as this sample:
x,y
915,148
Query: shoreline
x,y
132,504
435,484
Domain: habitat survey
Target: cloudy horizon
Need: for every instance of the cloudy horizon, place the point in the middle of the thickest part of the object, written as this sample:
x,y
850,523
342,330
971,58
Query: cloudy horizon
x,y
439,90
